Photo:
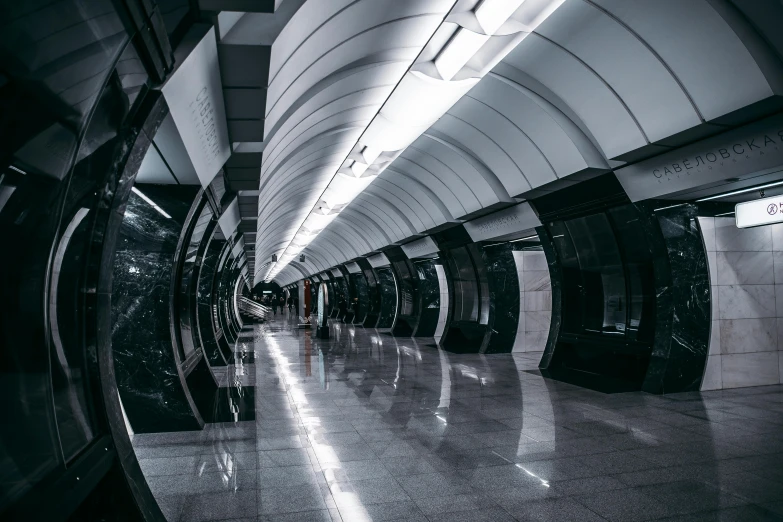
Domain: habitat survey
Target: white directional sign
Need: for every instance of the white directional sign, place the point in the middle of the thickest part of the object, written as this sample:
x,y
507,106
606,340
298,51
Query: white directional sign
x,y
759,212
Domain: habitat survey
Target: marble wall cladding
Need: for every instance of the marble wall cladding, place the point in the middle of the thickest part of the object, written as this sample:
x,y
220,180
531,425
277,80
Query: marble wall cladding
x,y
505,299
204,304
444,301
148,379
388,291
362,293
429,293
683,300
535,298
746,281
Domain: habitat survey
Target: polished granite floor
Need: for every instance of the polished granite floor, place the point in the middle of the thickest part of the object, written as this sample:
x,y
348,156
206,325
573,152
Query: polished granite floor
x,y
368,427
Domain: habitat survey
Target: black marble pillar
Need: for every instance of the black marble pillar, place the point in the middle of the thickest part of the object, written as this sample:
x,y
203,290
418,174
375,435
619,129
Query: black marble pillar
x,y
149,379
429,298
387,290
206,321
373,298
683,303
503,281
407,314
360,298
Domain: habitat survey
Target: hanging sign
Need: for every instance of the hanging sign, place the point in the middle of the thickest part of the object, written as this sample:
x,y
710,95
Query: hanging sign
x,y
759,212
194,94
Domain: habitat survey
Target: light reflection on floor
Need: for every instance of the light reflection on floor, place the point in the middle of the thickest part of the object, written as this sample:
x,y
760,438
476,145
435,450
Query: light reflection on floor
x,y
368,427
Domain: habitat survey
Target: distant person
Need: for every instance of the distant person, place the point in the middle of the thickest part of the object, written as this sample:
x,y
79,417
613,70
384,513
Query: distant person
x,y
290,304
282,304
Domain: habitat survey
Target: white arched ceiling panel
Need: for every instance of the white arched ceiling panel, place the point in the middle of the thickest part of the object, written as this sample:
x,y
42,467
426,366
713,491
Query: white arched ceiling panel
x,y
410,164
701,49
421,193
415,199
363,28
413,214
393,227
359,240
332,68
567,149
391,213
483,184
357,87
583,91
477,126
621,59
365,225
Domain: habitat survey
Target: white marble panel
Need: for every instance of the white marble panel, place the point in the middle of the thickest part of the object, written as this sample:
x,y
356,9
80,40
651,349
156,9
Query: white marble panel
x,y
779,299
780,362
712,379
715,338
748,335
750,369
536,281
535,260
729,238
519,340
714,300
777,236
536,341
777,262
537,301
745,268
537,321
707,225
746,301
712,266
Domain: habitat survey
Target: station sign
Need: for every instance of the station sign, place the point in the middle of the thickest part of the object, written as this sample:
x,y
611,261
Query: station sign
x,y
759,212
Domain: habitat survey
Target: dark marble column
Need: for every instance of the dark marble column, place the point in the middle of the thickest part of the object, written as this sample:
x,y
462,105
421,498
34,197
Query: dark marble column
x,y
149,379
682,331
387,290
429,298
407,314
360,298
206,297
503,281
373,297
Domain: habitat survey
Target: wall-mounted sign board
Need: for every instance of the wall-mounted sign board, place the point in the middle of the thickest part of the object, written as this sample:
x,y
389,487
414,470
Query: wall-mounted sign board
x,y
506,222
194,94
423,247
378,261
759,212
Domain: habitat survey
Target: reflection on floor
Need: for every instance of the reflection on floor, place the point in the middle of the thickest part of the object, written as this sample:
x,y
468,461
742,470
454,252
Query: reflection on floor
x,y
368,427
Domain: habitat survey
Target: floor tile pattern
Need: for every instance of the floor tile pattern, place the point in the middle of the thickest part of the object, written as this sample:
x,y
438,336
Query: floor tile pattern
x,y
364,426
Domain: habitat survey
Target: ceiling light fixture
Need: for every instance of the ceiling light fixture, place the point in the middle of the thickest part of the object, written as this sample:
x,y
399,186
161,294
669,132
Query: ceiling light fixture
x,y
150,202
741,191
438,78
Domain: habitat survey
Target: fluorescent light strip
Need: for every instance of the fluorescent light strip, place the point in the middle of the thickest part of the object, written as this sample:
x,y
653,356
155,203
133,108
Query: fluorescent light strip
x,y
20,171
741,191
670,206
393,133
725,214
524,238
151,203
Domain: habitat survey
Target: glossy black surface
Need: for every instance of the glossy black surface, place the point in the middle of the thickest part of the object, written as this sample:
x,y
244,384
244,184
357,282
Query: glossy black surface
x,y
406,279
503,281
683,328
148,377
206,320
361,299
429,297
388,296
